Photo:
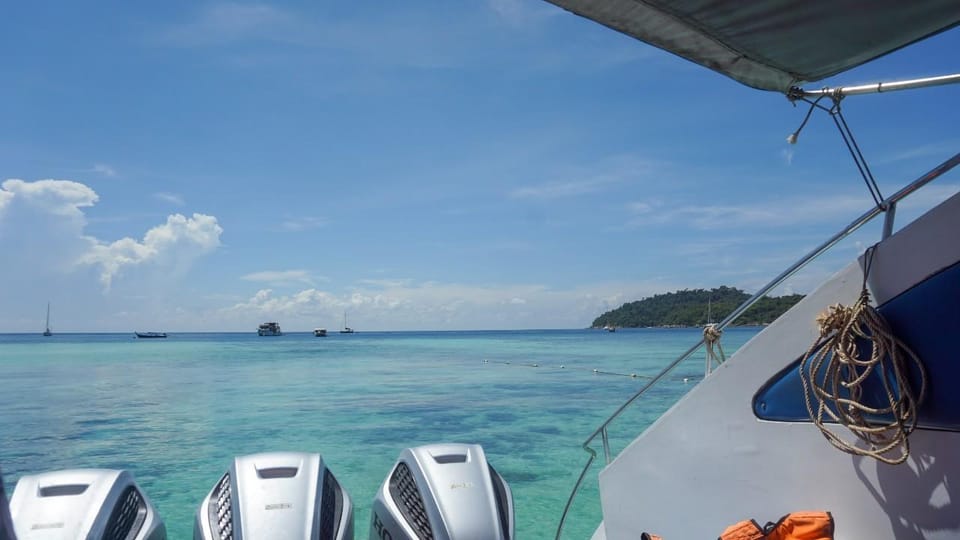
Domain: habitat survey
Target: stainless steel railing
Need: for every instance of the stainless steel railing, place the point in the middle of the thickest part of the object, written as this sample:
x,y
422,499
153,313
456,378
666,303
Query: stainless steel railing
x,y
888,206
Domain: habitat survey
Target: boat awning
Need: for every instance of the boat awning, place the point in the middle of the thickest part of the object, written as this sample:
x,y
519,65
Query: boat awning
x,y
774,44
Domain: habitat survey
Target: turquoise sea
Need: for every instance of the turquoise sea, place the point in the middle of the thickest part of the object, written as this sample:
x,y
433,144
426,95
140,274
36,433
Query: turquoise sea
x,y
175,411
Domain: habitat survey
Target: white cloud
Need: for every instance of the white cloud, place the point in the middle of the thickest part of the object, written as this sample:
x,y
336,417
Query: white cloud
x,y
572,188
307,301
552,190
393,36
226,22
59,197
302,223
839,208
640,207
386,283
402,304
48,253
927,197
284,277
520,12
942,148
175,243
787,155
105,170
614,171
769,213
41,229
5,198
172,198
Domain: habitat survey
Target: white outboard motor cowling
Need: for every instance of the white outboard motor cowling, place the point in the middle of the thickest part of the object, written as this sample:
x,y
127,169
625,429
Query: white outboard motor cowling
x,y
443,492
87,504
274,496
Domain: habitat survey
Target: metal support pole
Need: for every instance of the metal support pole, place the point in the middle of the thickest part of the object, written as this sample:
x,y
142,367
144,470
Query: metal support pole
x,y
876,88
606,445
888,218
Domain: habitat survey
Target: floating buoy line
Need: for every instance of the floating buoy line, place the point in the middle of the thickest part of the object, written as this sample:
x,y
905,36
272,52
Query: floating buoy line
x,y
686,379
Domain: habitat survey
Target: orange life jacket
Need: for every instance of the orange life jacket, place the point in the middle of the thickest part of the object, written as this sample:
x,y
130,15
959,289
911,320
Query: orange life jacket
x,y
793,526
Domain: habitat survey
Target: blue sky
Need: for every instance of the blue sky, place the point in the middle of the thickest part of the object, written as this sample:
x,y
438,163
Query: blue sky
x,y
458,165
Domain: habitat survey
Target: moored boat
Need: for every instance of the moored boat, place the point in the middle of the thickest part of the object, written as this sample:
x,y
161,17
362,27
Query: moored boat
x,y
47,332
150,335
319,332
269,329
346,329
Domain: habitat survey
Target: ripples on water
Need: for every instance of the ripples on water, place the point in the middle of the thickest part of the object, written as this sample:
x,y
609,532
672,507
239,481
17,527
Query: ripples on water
x,y
175,412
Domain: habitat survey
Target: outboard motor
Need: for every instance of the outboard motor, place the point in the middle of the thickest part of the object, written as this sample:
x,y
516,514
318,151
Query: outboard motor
x,y
89,504
443,492
276,496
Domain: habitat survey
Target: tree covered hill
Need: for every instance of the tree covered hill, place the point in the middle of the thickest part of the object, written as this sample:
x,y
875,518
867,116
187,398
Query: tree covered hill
x,y
689,308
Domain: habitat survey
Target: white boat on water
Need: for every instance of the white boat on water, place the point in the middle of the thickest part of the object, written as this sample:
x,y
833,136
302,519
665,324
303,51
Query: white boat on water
x,y
269,329
319,332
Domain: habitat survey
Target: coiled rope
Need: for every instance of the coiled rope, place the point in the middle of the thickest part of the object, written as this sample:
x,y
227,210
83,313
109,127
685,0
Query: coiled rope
x,y
837,370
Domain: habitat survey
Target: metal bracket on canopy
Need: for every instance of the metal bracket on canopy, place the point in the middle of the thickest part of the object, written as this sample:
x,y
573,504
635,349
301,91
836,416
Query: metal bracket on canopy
x,y
873,88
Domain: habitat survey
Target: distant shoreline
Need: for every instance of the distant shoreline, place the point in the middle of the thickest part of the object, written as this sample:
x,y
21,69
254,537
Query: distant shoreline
x,y
253,333
693,308
678,326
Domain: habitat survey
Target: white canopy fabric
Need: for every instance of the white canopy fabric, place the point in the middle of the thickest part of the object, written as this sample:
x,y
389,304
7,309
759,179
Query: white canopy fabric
x,y
774,44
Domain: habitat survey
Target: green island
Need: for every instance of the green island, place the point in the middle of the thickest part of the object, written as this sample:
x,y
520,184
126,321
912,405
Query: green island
x,y
692,307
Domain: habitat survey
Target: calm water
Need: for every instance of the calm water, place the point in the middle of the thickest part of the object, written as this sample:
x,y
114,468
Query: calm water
x,y
176,411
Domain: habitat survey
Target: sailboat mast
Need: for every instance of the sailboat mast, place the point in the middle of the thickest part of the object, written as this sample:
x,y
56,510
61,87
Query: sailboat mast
x,y
46,330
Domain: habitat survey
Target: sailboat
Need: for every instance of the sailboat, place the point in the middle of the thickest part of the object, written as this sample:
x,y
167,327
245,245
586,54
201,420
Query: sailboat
x,y
346,329
47,331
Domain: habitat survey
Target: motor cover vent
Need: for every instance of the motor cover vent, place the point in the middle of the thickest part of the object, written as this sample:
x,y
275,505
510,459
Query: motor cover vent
x,y
504,502
221,511
403,489
127,517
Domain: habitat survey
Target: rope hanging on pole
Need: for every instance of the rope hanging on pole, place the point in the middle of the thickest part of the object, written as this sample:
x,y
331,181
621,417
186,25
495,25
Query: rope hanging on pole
x,y
833,373
711,338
